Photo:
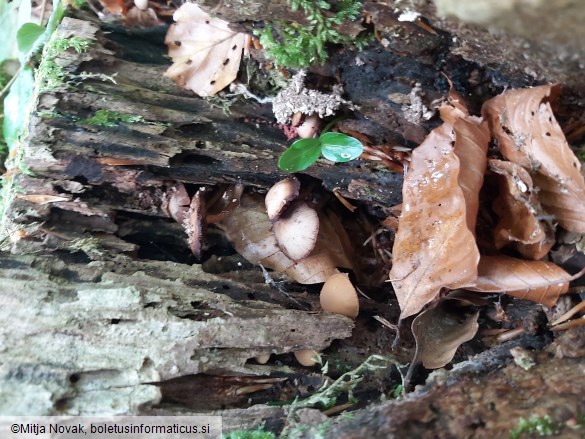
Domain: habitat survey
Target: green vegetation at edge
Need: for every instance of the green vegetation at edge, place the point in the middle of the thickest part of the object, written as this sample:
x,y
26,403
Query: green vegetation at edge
x,y
292,44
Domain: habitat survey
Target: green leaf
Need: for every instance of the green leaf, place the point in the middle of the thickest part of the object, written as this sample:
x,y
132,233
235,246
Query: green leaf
x,y
27,36
339,147
300,155
16,107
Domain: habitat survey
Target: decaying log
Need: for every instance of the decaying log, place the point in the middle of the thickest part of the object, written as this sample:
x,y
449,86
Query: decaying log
x,y
488,406
104,315
105,337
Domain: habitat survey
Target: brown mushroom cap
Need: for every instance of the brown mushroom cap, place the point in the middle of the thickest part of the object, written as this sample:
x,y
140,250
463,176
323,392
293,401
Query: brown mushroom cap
x,y
296,232
262,359
338,296
179,202
307,357
195,224
281,195
310,127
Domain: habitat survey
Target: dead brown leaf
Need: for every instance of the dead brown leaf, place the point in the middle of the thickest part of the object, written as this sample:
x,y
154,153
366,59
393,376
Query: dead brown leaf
x,y
434,247
538,281
250,231
520,213
206,53
528,134
439,331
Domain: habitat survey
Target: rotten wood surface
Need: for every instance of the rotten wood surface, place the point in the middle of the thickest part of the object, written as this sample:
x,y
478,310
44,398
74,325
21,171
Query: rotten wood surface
x,y
119,336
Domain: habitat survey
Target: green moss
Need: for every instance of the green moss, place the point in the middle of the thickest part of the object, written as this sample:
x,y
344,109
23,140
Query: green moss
x,y
249,434
50,74
536,425
298,45
106,118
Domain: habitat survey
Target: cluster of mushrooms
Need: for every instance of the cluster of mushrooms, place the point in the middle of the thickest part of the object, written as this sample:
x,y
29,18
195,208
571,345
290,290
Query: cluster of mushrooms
x,y
296,226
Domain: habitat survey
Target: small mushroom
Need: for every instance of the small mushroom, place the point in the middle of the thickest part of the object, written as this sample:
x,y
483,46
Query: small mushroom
x,y
141,4
281,195
179,202
338,296
310,127
262,359
195,223
296,231
307,357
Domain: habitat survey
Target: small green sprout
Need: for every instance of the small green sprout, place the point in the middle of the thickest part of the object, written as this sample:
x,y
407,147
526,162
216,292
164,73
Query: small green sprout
x,y
336,147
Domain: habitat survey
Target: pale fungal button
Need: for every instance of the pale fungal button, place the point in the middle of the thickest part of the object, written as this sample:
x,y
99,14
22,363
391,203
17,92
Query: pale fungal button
x,y
262,359
307,357
339,296
281,195
296,231
309,127
141,4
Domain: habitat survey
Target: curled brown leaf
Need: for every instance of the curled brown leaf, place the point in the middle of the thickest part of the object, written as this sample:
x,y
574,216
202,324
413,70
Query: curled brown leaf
x,y
538,281
439,331
435,244
521,223
434,247
528,134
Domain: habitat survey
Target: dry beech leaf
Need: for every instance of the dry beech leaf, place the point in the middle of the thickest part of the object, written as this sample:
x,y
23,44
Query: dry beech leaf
x,y
538,281
528,134
434,247
472,138
519,211
439,331
250,231
206,53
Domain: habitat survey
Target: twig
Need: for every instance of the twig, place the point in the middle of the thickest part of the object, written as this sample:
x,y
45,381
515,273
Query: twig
x,y
7,86
268,280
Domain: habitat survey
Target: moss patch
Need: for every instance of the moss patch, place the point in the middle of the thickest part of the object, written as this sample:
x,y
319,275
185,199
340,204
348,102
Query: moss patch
x,y
300,45
106,118
50,74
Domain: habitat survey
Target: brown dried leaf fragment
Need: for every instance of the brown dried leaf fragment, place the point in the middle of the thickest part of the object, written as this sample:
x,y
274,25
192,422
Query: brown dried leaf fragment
x,y
538,281
528,134
206,53
520,213
439,331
